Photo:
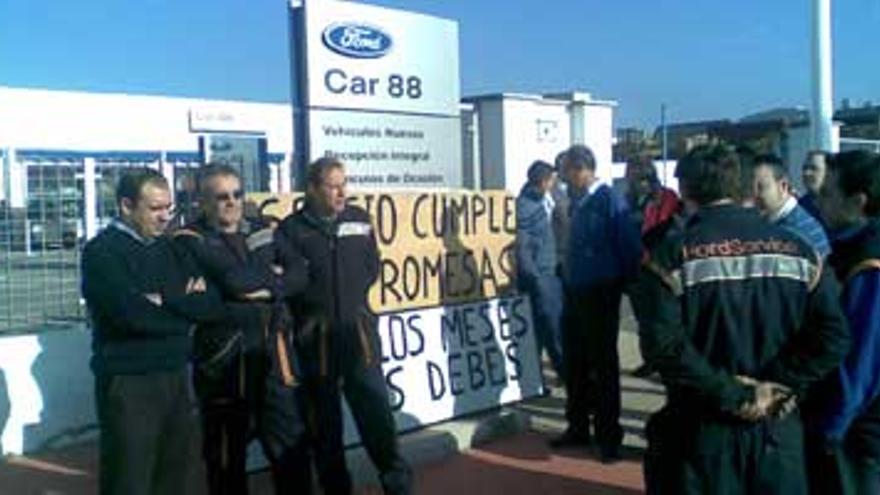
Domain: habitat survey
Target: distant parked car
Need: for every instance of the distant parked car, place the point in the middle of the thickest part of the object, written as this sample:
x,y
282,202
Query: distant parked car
x,y
55,223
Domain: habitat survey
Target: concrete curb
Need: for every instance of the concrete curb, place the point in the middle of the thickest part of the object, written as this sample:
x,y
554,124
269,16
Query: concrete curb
x,y
444,440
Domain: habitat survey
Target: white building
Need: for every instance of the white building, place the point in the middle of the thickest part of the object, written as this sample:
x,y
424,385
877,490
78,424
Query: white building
x,y
503,133
517,129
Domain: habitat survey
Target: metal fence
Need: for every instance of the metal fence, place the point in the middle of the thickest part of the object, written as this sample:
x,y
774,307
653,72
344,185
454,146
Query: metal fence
x,y
847,144
51,204
39,248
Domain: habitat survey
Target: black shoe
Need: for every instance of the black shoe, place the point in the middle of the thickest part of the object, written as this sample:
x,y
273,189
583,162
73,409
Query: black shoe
x,y
643,371
609,455
571,439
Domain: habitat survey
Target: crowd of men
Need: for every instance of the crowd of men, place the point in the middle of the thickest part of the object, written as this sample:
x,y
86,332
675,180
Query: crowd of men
x,y
264,325
759,309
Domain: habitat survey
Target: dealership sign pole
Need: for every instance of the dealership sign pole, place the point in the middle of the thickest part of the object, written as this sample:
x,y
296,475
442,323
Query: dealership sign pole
x,y
378,89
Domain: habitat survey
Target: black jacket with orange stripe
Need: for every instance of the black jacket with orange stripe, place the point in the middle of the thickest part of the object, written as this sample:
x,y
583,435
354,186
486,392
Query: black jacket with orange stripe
x,y
734,295
343,262
241,264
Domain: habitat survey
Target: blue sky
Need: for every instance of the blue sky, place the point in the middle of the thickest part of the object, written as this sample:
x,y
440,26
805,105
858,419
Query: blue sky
x,y
705,59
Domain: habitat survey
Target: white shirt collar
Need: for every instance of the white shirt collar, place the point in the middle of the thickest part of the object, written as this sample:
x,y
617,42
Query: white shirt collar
x,y
786,208
549,203
593,187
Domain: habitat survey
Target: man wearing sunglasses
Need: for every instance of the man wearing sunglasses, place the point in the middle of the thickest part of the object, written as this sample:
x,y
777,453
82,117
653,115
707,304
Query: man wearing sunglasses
x,y
246,373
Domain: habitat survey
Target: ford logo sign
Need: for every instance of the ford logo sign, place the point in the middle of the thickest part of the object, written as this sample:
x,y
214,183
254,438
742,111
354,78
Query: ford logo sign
x,y
357,40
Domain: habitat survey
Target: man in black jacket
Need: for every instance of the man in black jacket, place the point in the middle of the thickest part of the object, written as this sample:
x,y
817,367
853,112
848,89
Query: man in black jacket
x,y
246,372
144,297
339,330
740,319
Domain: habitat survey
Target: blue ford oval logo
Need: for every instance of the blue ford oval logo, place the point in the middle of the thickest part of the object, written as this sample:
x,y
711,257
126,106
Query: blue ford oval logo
x,y
357,40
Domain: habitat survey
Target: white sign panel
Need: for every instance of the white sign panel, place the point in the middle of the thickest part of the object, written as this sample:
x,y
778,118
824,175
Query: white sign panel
x,y
213,118
392,72
363,57
448,361
390,149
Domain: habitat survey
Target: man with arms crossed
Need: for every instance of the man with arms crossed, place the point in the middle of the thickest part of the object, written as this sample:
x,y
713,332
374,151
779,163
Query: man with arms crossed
x,y
246,375
144,298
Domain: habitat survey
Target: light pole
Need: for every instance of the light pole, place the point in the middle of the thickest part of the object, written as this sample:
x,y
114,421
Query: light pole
x,y
663,138
822,107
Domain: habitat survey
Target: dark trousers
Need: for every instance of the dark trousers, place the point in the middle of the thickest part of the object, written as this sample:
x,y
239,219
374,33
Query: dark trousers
x,y
250,400
148,431
850,468
592,363
546,297
688,455
367,396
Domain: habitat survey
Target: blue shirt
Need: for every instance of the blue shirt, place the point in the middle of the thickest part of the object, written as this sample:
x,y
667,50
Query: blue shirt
x,y
799,221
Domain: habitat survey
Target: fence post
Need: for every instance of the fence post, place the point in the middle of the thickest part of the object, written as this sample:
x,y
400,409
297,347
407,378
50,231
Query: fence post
x,y
90,198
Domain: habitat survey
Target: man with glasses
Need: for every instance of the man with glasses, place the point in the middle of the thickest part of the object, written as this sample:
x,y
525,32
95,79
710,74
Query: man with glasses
x,y
339,330
246,372
143,298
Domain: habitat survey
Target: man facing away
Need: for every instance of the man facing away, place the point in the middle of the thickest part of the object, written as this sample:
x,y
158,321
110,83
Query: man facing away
x,y
740,320
144,297
603,256
339,334
246,375
536,259
773,196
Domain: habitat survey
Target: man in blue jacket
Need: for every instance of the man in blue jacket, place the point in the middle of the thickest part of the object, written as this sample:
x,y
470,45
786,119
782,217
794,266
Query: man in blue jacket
x,y
536,258
603,256
773,196
844,412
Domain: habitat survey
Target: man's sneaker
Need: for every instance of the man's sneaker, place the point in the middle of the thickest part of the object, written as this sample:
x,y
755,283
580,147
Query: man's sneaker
x,y
570,439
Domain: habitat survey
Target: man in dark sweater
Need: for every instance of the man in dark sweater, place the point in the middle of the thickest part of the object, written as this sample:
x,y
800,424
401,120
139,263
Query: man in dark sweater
x,y
338,330
144,297
246,372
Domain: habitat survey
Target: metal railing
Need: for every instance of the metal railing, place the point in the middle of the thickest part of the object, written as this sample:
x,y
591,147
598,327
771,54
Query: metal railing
x,y
49,207
40,249
847,144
